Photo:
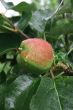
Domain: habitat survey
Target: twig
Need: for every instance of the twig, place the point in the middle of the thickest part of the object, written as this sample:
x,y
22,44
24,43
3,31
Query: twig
x,y
22,33
52,75
65,68
59,75
55,11
70,51
14,29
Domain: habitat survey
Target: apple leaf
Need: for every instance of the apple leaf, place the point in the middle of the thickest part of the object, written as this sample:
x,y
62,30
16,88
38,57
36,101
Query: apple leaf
x,y
53,94
23,6
15,89
38,19
9,41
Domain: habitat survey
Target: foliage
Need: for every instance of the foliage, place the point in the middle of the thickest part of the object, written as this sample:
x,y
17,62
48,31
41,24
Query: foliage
x,y
53,90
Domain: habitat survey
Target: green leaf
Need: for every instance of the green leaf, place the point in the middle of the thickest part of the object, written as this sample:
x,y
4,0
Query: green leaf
x,y
62,27
64,87
23,22
54,94
23,6
18,92
2,97
38,20
9,41
1,66
5,24
23,100
72,3
67,3
46,97
7,67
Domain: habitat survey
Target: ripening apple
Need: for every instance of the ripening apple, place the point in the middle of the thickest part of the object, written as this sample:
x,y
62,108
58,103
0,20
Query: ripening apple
x,y
36,55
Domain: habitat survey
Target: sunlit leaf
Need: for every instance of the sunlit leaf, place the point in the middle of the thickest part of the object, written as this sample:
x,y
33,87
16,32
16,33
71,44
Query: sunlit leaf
x,y
38,20
18,92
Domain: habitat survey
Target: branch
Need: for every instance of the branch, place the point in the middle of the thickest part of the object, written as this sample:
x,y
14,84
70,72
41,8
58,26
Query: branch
x,y
65,70
14,29
22,33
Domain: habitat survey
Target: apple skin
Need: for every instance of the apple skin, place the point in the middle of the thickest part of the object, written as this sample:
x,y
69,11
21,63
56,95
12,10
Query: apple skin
x,y
36,55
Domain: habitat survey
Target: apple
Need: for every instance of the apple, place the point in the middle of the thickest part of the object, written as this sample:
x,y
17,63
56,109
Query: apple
x,y
36,55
